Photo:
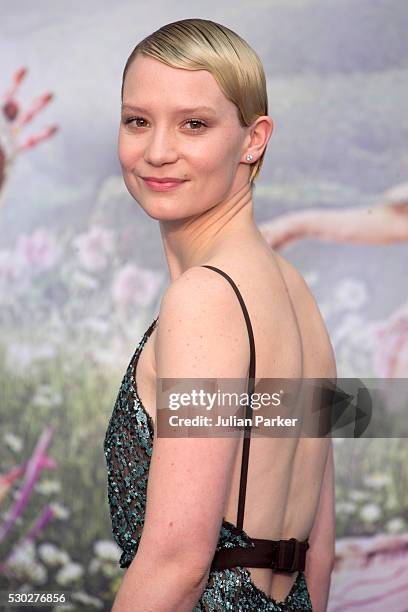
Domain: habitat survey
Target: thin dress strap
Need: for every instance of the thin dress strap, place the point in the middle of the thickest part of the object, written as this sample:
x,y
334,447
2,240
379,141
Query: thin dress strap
x,y
248,412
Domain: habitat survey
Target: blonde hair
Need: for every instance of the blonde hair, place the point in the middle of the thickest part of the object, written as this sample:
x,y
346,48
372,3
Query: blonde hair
x,y
200,44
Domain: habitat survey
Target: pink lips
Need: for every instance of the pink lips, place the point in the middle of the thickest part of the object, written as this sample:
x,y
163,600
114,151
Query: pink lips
x,y
162,185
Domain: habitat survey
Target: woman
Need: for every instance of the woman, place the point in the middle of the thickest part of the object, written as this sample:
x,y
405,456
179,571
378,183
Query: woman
x,y
193,134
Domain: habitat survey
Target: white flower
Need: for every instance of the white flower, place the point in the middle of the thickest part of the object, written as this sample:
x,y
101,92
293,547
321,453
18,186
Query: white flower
x,y
395,525
69,573
377,480
13,442
87,600
345,507
24,563
22,556
350,294
107,550
52,555
357,495
45,396
60,511
370,512
48,486
37,573
48,553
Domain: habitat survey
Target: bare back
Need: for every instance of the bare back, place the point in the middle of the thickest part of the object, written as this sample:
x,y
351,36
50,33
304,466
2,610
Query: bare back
x,y
285,474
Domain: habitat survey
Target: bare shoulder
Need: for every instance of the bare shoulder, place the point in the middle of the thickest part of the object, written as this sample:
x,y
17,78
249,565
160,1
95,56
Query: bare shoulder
x,y
293,277
201,330
198,290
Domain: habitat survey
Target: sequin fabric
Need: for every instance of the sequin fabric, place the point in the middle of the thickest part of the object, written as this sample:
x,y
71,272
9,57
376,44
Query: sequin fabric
x,y
128,447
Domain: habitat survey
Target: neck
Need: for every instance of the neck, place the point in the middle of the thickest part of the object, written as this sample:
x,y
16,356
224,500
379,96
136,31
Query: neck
x,y
195,240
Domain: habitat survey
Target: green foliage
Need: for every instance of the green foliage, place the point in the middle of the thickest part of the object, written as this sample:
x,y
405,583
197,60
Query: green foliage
x,y
80,418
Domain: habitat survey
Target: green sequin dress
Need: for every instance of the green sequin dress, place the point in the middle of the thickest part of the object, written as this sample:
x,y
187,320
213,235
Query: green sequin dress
x,y
128,448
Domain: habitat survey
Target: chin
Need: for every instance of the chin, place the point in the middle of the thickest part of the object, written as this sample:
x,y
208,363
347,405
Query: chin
x,y
161,211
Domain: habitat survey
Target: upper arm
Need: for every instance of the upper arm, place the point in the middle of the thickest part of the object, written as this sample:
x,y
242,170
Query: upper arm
x,y
323,534
201,333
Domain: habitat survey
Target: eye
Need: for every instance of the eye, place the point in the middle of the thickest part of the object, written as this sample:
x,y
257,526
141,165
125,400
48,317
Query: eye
x,y
196,121
130,119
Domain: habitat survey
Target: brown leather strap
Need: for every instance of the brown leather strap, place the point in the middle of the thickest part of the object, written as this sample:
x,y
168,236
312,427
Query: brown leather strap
x,y
248,411
280,555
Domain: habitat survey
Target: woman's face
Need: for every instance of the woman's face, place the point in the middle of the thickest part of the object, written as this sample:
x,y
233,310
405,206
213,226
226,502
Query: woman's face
x,y
165,131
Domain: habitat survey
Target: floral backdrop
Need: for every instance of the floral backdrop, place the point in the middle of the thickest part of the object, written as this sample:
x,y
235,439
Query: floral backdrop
x,y
82,268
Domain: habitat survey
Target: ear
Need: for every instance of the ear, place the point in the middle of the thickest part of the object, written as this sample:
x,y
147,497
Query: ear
x,y
259,134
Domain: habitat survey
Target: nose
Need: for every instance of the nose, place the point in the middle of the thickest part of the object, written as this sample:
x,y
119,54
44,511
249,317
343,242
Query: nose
x,y
160,147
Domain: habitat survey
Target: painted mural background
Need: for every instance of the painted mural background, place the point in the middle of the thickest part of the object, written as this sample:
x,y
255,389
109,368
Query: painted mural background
x,y
82,268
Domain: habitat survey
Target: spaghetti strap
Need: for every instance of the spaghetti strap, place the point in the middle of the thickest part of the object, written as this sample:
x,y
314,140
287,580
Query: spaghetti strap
x,y
248,412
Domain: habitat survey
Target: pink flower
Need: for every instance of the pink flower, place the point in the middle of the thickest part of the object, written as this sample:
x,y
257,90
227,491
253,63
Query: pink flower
x,y
94,248
38,251
134,285
391,355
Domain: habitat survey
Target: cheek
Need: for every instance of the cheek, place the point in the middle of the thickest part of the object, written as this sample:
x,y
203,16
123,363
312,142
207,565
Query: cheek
x,y
128,152
214,157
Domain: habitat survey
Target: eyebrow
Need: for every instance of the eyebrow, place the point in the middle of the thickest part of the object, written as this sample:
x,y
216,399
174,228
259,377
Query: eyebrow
x,y
194,109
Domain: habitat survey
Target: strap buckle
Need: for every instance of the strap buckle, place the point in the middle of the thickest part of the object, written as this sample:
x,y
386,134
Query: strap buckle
x,y
288,556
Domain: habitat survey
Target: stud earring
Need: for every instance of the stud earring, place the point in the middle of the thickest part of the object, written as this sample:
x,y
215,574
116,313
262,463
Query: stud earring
x,y
249,157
